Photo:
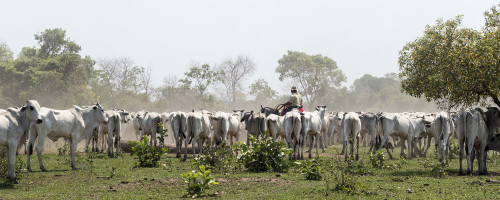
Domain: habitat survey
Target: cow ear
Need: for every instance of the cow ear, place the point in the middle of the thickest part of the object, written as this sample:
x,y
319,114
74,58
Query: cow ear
x,y
95,107
23,108
126,113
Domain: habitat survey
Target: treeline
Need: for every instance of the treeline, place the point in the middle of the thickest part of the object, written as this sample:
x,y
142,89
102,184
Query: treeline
x,y
58,76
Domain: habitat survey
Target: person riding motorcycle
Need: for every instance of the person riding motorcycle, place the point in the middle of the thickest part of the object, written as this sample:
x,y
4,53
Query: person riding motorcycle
x,y
294,101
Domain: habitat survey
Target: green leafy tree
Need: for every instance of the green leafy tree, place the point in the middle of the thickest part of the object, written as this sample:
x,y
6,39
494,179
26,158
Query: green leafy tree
x,y
55,69
313,73
5,53
262,91
200,79
454,66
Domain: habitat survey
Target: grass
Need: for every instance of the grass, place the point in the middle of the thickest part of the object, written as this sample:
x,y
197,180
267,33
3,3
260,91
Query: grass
x,y
116,178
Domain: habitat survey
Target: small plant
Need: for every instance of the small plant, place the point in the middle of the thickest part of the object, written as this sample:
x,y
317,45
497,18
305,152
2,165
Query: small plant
x,y
198,181
63,150
163,134
263,155
356,167
311,169
146,155
216,159
438,169
344,181
378,160
399,165
453,149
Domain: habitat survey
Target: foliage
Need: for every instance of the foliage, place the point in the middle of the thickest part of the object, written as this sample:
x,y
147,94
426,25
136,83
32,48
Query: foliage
x,y
147,156
4,168
378,160
63,150
313,73
198,181
263,154
311,168
453,145
454,65
202,78
438,169
163,134
344,180
262,91
216,159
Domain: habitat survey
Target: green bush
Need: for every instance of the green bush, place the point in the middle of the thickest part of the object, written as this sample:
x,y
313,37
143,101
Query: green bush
x,y
453,149
163,134
438,169
378,159
63,150
146,155
263,155
4,167
198,181
216,159
311,169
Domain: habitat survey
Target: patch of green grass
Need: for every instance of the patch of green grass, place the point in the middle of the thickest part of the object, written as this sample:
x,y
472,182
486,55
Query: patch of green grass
x,y
117,178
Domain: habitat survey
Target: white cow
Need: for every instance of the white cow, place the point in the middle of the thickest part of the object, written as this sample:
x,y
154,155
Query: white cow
x,y
151,126
220,123
74,124
352,127
198,131
14,126
178,123
137,122
443,130
396,125
275,126
369,124
234,126
113,128
2,110
311,126
480,132
293,127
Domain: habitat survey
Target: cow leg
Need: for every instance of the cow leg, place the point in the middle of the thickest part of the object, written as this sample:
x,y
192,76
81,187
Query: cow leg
x,y
311,139
460,154
30,148
11,160
185,148
39,151
323,146
357,148
110,143
73,148
469,151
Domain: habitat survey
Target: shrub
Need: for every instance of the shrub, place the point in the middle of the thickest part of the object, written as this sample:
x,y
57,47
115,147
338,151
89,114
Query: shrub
x,y
216,159
146,155
344,180
63,150
311,169
263,155
438,169
453,148
163,134
378,160
4,167
198,181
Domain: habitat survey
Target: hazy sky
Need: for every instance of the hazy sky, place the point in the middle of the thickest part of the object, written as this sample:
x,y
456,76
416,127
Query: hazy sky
x,y
364,37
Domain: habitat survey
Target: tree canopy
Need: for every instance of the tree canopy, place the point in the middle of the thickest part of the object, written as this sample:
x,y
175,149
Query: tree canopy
x,y
452,65
313,73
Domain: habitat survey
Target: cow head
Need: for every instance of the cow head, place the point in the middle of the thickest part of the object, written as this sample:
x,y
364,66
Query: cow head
x,y
32,110
99,113
125,116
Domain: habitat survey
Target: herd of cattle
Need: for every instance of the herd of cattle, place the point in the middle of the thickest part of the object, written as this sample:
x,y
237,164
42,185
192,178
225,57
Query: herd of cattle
x,y
476,130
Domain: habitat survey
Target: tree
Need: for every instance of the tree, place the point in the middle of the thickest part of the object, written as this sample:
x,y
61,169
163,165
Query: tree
x,y
202,77
454,66
233,73
54,42
5,52
55,69
262,91
313,73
